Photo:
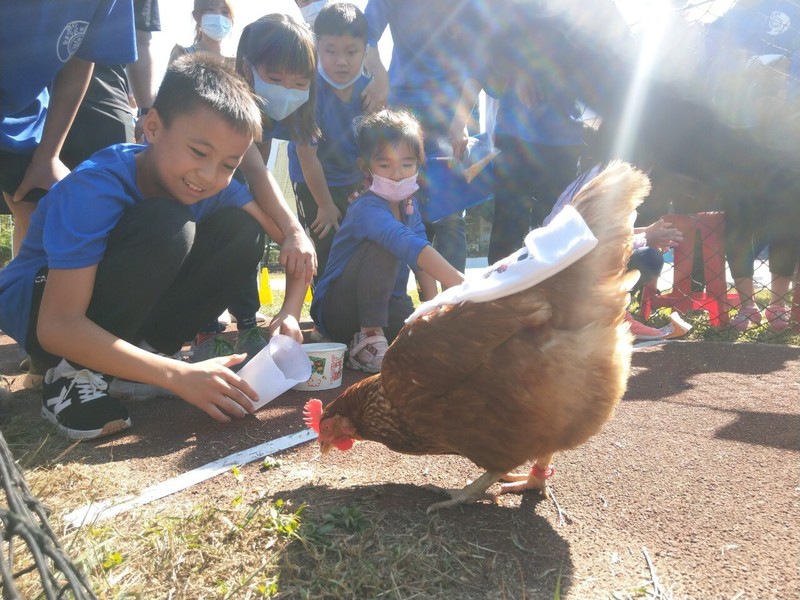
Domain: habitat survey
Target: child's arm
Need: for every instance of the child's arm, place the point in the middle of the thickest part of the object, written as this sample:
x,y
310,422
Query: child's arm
x,y
64,330
458,126
328,216
287,321
297,251
68,89
428,289
434,265
661,234
376,93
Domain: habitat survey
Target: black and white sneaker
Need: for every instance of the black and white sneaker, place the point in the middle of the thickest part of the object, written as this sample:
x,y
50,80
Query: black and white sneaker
x,y
77,402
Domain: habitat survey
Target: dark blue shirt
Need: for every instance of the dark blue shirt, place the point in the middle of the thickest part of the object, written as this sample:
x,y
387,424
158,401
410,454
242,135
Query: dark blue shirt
x,y
431,42
336,149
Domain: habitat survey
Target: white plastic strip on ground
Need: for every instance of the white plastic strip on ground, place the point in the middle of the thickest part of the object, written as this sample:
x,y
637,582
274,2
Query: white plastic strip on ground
x,y
99,511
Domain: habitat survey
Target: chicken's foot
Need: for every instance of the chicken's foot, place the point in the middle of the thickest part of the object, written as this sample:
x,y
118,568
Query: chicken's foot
x,y
470,493
535,480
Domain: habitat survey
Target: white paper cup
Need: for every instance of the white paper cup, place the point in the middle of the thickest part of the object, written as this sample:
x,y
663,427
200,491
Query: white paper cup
x,y
326,361
276,368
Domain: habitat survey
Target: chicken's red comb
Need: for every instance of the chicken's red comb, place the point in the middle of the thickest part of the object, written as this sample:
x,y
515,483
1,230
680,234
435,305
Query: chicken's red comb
x,y
312,413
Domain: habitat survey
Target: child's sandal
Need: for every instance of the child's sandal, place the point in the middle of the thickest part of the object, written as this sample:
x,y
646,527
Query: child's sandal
x,y
743,319
777,316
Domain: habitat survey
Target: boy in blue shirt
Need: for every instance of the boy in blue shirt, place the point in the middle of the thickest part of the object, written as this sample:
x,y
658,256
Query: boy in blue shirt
x,y
325,174
136,249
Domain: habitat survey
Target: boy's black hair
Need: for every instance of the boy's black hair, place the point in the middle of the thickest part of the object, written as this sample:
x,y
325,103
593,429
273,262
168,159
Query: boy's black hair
x,y
389,127
341,18
196,80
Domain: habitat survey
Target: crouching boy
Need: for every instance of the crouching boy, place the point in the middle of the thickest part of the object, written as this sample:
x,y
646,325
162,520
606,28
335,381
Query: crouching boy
x,y
136,250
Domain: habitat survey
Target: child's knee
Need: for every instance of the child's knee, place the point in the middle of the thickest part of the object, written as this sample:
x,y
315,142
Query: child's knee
x,y
237,232
160,228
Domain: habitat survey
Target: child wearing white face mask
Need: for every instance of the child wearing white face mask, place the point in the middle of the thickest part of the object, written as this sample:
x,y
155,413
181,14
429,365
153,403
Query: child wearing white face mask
x,y
275,56
362,297
325,174
213,23
310,9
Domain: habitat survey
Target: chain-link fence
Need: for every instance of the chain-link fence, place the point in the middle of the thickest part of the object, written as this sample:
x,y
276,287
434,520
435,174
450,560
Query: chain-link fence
x,y
736,269
697,281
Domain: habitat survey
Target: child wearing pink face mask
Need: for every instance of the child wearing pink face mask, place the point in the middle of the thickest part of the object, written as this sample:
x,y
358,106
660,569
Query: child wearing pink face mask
x,y
362,297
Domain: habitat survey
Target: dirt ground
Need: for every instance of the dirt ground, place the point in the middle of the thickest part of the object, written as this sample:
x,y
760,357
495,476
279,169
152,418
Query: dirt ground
x,y
699,467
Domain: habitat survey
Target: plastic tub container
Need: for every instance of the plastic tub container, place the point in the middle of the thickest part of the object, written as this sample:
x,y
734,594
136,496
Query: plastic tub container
x,y
327,360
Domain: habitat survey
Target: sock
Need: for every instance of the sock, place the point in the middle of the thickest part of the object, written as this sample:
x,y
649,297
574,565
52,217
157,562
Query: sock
x,y
370,331
247,323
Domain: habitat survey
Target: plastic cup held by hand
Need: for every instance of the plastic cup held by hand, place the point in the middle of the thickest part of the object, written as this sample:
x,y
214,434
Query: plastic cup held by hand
x,y
280,366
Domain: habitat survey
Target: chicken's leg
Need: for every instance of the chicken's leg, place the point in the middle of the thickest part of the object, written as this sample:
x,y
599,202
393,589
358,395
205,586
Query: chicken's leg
x,y
535,480
471,493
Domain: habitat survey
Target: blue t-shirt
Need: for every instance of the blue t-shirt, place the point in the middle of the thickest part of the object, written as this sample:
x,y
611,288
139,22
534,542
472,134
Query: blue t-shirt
x,y
370,218
550,123
431,39
70,227
336,149
768,27
36,38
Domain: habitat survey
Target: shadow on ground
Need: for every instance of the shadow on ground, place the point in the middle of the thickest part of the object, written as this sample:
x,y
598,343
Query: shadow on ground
x,y
534,561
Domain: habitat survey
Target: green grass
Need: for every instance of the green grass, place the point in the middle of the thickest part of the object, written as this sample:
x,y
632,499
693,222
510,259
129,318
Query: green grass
x,y
703,330
243,544
6,230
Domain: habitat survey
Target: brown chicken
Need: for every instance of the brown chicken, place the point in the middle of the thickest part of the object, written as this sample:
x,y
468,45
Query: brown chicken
x,y
511,380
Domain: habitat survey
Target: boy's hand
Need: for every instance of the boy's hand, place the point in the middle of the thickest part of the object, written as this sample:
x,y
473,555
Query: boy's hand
x,y
528,92
328,217
298,256
375,94
458,137
41,173
662,235
216,390
286,324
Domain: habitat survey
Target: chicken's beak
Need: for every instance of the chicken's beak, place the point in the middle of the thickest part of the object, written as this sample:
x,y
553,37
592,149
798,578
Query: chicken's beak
x,y
324,447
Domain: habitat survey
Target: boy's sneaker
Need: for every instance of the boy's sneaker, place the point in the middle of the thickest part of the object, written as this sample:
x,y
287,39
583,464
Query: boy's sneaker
x,y
77,402
250,342
366,352
211,347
